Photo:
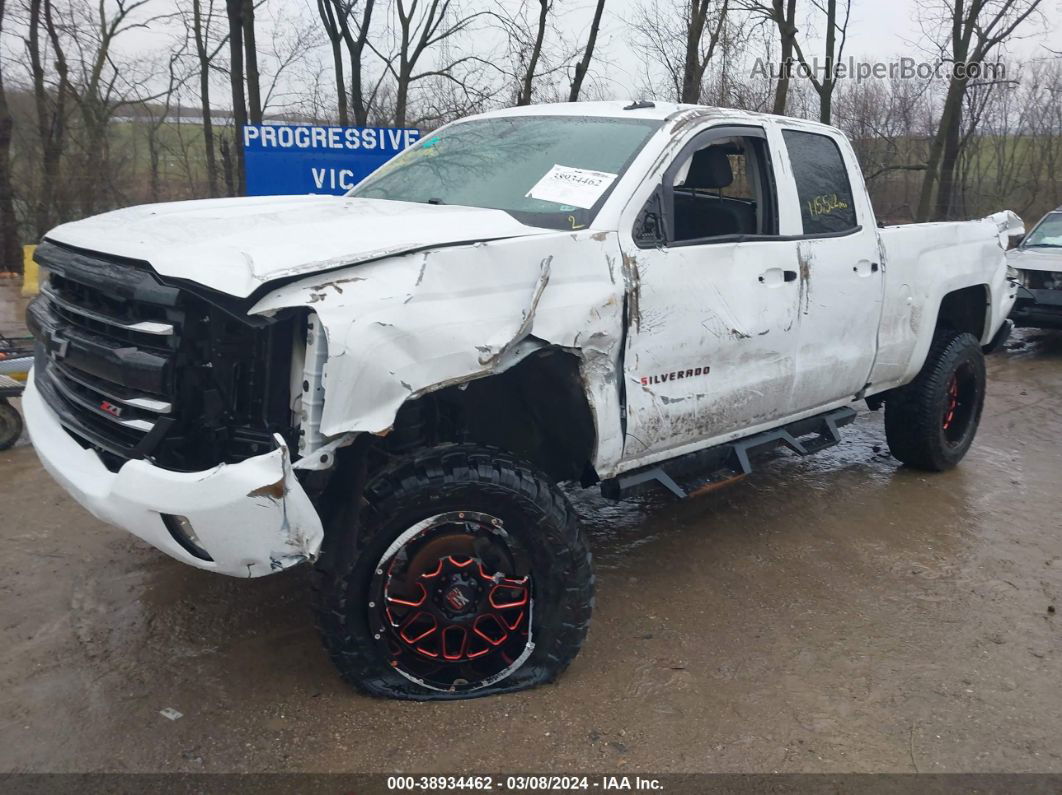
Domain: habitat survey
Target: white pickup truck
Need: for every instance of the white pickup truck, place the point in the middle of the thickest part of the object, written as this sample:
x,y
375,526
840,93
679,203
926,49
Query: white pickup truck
x,y
392,383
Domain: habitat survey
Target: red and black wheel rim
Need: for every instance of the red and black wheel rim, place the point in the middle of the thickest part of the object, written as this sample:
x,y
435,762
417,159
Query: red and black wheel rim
x,y
960,404
450,602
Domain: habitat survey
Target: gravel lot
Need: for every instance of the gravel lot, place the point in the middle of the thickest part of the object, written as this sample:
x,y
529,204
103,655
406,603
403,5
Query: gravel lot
x,y
834,614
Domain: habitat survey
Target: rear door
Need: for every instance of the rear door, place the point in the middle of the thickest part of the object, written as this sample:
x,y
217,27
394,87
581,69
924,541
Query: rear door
x,y
841,278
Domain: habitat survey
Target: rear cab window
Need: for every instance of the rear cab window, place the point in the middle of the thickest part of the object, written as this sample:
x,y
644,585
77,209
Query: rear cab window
x,y
827,205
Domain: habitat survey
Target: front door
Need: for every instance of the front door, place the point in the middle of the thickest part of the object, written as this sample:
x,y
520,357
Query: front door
x,y
713,299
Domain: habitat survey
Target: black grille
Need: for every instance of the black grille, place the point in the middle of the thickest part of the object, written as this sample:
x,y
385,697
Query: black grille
x,y
135,367
1044,280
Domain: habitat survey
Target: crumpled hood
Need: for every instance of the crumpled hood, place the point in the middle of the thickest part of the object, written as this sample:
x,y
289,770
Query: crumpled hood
x,y
1036,259
236,245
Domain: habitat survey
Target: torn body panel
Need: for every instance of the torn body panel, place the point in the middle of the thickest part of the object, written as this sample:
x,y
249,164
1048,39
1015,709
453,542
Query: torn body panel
x,y
406,326
252,518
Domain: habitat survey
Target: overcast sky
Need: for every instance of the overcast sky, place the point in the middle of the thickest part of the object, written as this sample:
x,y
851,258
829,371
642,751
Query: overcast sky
x,y
879,30
882,30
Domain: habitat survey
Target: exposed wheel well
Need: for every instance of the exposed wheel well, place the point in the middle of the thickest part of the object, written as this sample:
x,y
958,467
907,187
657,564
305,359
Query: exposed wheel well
x,y
965,310
537,410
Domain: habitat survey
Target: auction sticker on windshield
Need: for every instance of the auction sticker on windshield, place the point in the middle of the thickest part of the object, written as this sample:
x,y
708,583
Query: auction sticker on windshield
x,y
578,187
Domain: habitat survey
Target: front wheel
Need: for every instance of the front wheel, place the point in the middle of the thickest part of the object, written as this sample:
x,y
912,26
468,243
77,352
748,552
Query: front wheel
x,y
931,422
465,573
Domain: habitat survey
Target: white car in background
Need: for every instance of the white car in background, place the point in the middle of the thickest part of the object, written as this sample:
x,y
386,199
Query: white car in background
x,y
1036,264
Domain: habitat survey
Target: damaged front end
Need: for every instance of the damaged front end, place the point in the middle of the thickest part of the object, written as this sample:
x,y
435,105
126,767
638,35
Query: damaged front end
x,y
166,410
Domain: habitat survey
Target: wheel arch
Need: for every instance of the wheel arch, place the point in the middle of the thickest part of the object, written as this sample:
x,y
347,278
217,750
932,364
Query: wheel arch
x,y
536,409
966,309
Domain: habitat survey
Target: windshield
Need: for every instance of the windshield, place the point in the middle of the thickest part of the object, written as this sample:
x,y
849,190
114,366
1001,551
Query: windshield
x,y
1047,234
552,171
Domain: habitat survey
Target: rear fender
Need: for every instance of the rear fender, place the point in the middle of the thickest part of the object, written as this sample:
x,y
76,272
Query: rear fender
x,y
924,263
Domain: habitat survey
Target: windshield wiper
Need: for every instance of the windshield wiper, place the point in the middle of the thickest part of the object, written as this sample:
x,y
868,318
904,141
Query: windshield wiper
x,y
434,200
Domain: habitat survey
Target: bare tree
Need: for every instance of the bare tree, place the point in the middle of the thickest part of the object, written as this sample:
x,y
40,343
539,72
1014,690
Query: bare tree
x,y
681,36
782,14
423,24
329,19
531,64
347,24
250,48
699,54
205,54
234,178
157,116
50,105
833,52
100,82
583,64
972,30
355,30
524,97
10,258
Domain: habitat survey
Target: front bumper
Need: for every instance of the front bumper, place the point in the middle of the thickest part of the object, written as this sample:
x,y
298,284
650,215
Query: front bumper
x,y
1038,308
252,518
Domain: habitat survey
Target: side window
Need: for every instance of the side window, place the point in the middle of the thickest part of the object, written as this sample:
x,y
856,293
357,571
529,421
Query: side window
x,y
720,189
826,202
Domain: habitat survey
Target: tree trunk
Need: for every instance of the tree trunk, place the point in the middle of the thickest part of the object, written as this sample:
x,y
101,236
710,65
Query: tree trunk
x,y
254,96
10,242
341,83
355,50
154,160
826,93
204,97
51,119
236,181
95,157
401,98
226,166
785,19
536,53
692,70
949,158
588,54
328,11
949,118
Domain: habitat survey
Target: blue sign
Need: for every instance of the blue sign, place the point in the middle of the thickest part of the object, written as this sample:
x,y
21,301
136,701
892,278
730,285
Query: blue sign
x,y
282,159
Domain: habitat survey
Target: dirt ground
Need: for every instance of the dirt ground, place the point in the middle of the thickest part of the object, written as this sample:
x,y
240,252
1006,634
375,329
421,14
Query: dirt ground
x,y
835,614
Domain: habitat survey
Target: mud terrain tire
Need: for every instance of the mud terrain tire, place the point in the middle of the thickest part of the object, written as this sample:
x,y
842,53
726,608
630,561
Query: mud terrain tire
x,y
931,422
10,424
535,514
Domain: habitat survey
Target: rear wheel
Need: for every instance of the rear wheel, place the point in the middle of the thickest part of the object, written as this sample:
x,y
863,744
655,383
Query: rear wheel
x,y
931,423
465,574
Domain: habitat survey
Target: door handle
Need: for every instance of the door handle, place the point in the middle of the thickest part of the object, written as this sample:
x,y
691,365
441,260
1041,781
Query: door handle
x,y
772,277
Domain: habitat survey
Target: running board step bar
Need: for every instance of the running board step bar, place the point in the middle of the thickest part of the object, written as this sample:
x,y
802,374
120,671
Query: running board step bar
x,y
706,470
